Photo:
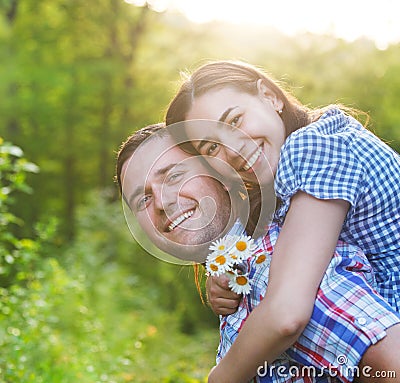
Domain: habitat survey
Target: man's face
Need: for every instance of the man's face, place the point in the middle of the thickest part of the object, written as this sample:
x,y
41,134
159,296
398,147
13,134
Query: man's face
x,y
174,198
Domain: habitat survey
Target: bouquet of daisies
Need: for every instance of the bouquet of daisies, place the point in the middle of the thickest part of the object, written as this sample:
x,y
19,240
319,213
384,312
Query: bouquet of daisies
x,y
228,254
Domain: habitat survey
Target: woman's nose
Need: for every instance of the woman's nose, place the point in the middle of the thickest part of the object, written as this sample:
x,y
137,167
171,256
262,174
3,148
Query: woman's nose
x,y
234,152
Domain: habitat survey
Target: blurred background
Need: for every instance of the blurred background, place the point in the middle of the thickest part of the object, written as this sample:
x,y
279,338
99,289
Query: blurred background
x,y
79,300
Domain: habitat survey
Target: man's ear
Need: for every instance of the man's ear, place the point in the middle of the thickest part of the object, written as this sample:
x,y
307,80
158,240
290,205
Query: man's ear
x,y
266,93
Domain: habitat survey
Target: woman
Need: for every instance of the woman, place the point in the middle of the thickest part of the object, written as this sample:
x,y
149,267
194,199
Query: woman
x,y
331,184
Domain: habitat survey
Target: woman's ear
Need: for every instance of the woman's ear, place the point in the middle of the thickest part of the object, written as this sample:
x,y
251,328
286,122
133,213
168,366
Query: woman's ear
x,y
266,93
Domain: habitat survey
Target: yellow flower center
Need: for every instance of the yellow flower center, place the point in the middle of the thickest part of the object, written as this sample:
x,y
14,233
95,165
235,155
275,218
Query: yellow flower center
x,y
261,259
241,245
241,280
213,267
220,259
221,247
233,256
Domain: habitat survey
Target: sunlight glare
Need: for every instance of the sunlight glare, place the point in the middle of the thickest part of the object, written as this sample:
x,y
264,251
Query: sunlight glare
x,y
347,19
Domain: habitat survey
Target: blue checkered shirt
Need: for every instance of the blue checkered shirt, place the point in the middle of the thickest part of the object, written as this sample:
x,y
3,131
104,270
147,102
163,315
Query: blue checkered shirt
x,y
348,317
337,158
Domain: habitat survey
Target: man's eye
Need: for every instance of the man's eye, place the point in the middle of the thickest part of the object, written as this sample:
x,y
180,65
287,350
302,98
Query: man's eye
x,y
143,202
174,177
213,149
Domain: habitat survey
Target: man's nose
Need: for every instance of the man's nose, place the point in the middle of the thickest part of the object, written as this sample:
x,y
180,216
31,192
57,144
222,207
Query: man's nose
x,y
164,198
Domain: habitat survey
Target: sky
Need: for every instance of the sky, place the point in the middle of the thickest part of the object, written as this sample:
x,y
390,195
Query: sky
x,y
378,20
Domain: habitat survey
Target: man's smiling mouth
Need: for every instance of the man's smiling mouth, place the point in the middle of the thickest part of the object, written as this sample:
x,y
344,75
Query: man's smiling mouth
x,y
177,221
252,160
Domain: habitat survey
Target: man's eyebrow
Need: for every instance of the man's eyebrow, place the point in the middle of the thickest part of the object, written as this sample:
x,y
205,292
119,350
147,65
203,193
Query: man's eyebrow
x,y
158,173
225,114
166,169
137,191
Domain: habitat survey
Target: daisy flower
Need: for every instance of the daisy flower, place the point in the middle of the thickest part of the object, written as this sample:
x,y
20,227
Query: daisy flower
x,y
243,247
222,244
262,258
226,256
218,263
239,283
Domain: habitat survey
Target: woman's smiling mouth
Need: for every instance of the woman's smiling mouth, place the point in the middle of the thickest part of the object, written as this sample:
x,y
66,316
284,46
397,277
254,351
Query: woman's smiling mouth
x,y
177,221
253,159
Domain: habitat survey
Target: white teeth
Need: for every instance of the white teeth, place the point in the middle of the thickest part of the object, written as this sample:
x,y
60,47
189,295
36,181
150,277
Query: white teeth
x,y
252,159
179,220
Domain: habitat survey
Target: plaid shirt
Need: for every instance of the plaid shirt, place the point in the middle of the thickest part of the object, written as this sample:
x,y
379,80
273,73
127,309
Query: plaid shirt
x,y
337,158
348,317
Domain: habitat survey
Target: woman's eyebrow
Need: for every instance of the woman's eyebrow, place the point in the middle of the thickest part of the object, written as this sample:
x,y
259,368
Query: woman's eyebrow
x,y
225,114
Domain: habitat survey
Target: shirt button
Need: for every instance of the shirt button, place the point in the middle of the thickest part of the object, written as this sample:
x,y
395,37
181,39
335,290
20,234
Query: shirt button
x,y
362,321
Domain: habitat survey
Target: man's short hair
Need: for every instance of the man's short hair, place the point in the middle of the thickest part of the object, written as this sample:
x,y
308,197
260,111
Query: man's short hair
x,y
132,143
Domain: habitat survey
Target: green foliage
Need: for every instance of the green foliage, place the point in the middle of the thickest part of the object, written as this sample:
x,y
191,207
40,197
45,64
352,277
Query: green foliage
x,y
15,254
80,301
95,312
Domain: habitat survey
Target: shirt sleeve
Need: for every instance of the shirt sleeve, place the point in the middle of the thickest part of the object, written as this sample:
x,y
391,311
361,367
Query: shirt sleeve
x,y
321,164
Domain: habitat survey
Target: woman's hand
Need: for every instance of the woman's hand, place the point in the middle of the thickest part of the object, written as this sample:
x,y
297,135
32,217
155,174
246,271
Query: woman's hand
x,y
222,300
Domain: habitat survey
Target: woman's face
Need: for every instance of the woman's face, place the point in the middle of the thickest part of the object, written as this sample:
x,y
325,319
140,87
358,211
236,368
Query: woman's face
x,y
254,134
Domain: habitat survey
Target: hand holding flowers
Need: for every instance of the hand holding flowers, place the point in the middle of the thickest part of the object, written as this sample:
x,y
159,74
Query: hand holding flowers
x,y
228,256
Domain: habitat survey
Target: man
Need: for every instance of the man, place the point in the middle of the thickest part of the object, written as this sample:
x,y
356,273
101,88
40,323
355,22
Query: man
x,y
182,206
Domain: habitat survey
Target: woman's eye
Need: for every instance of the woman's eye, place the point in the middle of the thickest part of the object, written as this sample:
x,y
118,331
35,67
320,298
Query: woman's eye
x,y
212,149
235,121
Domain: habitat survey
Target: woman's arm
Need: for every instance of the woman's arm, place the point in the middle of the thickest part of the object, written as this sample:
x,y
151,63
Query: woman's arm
x,y
302,253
